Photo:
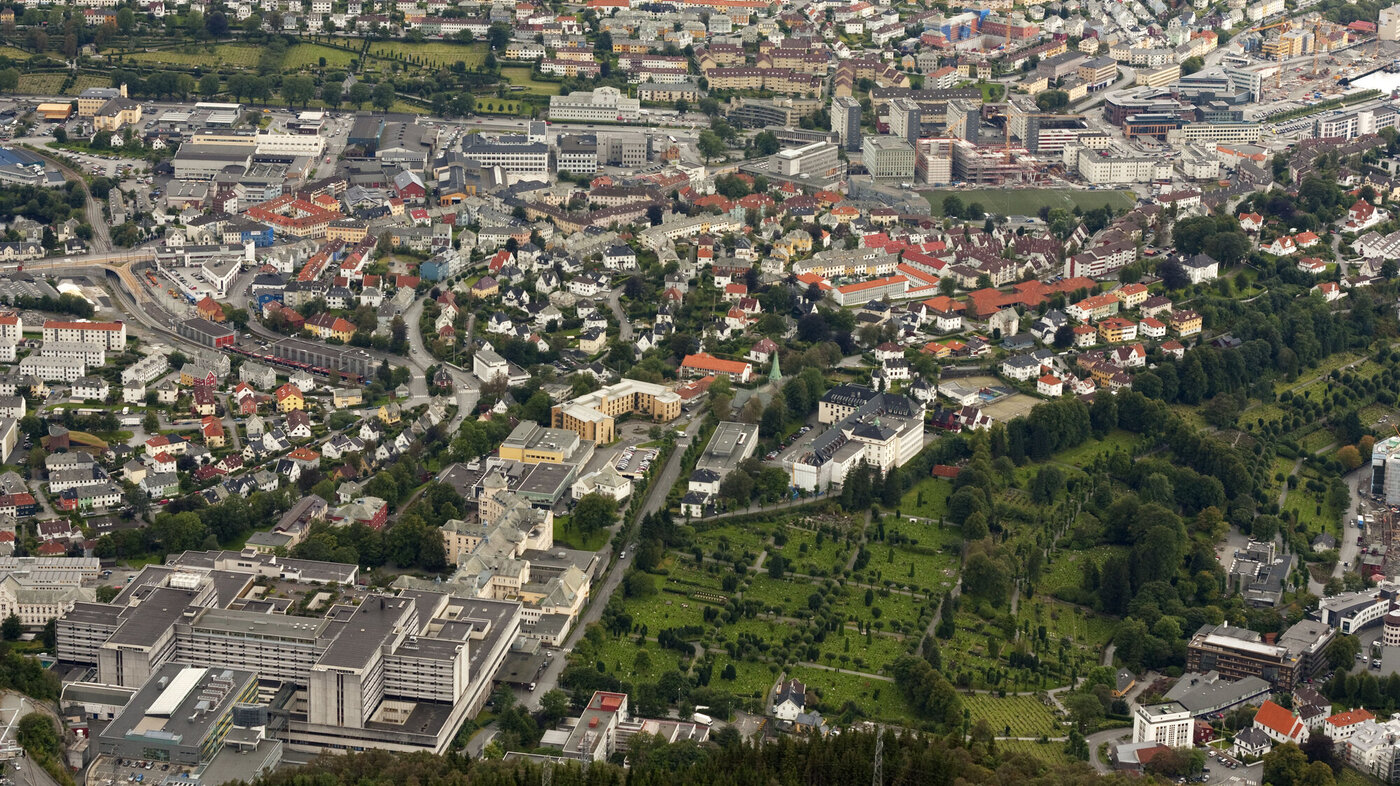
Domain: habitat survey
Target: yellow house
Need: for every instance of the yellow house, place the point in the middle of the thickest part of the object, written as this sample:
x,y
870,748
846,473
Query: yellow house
x,y
1131,295
116,113
1186,323
794,244
329,326
389,414
592,341
290,399
347,397
348,230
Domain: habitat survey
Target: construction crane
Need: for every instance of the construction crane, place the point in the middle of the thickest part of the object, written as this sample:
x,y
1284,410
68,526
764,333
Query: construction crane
x,y
1285,24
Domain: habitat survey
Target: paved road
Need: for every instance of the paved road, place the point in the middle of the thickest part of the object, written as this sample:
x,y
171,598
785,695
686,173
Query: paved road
x,y
601,592
101,238
624,326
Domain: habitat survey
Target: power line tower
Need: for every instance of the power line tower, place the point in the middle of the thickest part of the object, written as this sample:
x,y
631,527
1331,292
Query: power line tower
x,y
878,778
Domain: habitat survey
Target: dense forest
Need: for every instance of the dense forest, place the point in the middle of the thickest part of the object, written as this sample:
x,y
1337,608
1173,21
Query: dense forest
x,y
908,758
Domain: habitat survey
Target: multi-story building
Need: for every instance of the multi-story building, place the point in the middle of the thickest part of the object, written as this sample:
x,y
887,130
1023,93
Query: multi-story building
x,y
845,120
1299,653
593,416
110,335
888,158
905,119
1168,724
603,104
578,154
349,679
818,159
933,161
885,432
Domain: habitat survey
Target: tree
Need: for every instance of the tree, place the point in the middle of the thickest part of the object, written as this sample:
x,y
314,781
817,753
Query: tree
x,y
1192,64
593,513
1173,274
11,629
1085,709
299,89
359,94
953,206
216,24
126,20
38,735
9,80
1350,457
1052,100
554,706
383,96
1285,765
766,143
710,144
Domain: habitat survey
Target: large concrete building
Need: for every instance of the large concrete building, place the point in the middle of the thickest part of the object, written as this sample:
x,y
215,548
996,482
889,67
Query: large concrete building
x,y
816,160
845,120
887,431
906,119
593,416
1299,653
603,104
394,671
888,158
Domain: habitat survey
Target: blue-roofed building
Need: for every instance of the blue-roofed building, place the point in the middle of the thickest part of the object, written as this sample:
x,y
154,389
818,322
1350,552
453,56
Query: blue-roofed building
x,y
24,168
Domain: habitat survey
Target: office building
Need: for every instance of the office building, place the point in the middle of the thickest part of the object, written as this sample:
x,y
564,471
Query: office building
x,y
888,158
593,415
532,443
845,120
394,671
1385,470
1168,724
963,118
578,154
603,104
905,119
816,160
1238,653
184,714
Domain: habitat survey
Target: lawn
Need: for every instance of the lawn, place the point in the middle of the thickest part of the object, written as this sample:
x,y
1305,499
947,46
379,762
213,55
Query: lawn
x,y
928,499
805,556
308,56
733,540
83,81
877,699
523,76
1310,508
1013,716
1029,201
1067,568
751,680
1083,455
1052,752
208,56
40,84
920,572
432,55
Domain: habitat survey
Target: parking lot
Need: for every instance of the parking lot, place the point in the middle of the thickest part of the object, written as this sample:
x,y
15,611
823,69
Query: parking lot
x,y
110,771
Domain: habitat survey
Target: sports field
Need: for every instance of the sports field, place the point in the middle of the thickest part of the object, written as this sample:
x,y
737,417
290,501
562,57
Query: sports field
x,y
1029,201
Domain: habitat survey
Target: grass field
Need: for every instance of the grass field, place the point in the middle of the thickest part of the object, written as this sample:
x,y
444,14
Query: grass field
x,y
14,53
83,81
928,499
1084,455
1023,716
309,56
1029,201
40,84
523,76
433,55
1050,752
210,56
